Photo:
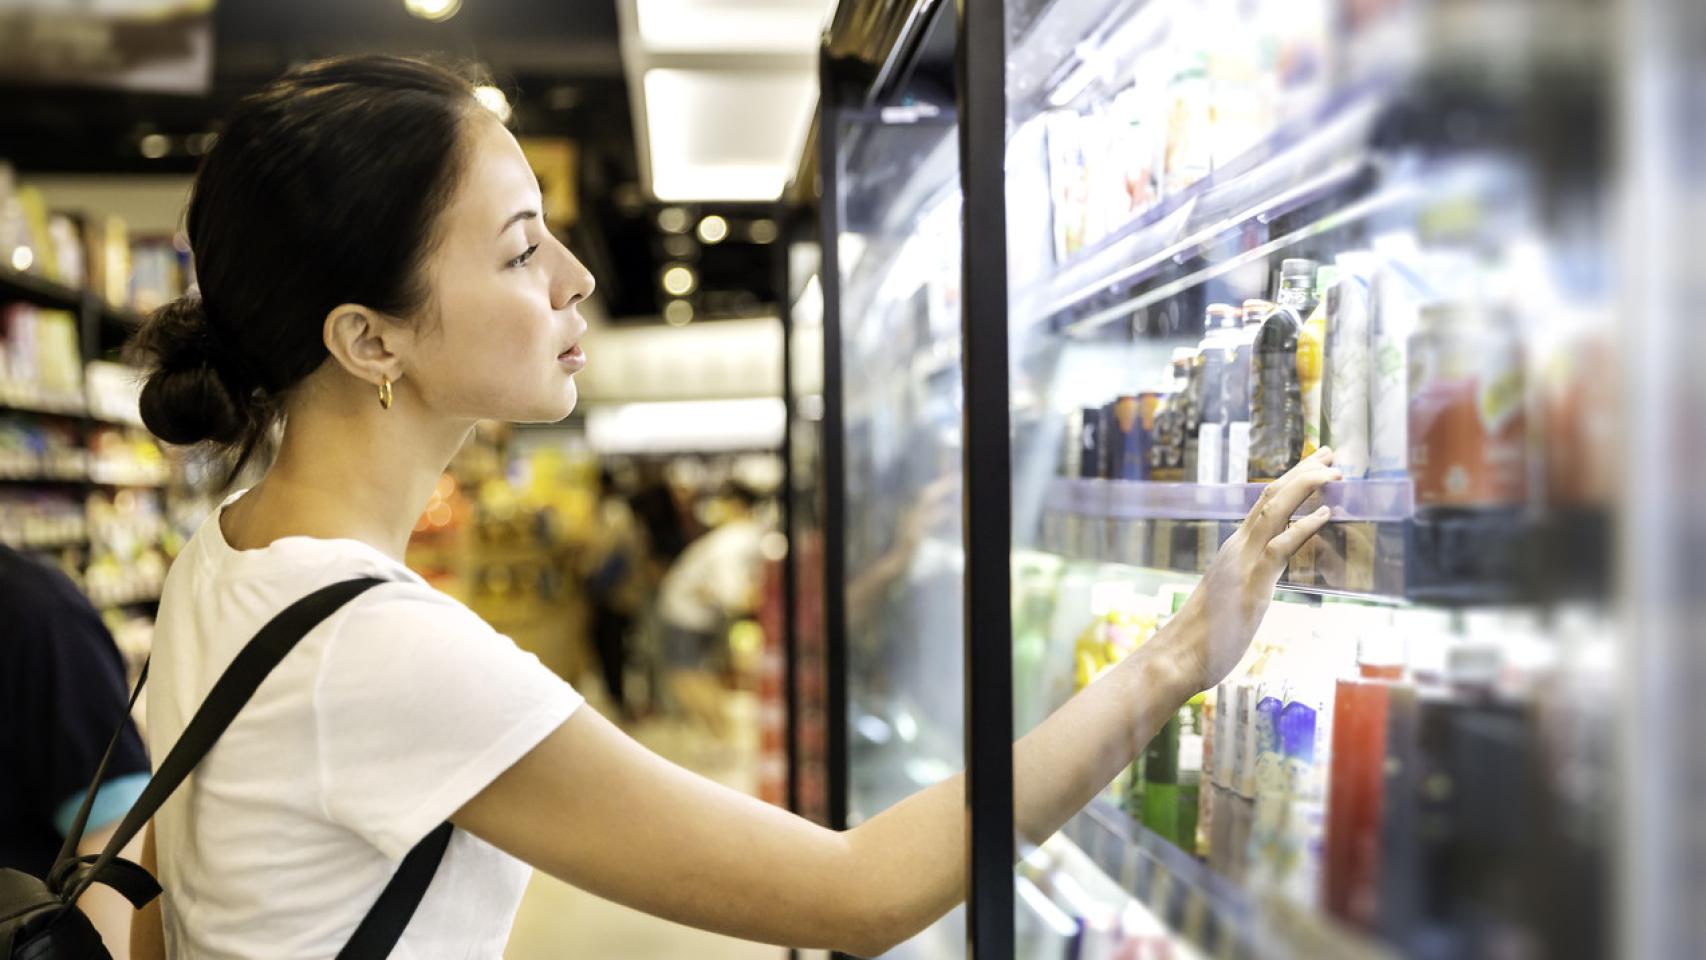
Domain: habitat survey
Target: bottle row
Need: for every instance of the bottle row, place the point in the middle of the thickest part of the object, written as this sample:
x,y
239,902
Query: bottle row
x,y
1410,363
1419,777
1208,84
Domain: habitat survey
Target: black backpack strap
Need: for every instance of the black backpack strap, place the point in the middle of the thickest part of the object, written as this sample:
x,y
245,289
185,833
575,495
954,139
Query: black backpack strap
x,y
74,836
383,926
230,692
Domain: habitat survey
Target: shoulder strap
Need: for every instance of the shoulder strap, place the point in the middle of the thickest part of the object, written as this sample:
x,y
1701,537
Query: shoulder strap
x,y
383,926
230,692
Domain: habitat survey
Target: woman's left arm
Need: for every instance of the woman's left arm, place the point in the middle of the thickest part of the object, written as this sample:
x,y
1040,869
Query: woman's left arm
x,y
593,808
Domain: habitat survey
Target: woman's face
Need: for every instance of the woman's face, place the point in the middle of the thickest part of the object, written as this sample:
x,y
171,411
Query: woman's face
x,y
506,342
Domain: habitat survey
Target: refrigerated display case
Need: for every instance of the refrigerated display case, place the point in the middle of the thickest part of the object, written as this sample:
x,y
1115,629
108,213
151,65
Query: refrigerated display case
x,y
1238,230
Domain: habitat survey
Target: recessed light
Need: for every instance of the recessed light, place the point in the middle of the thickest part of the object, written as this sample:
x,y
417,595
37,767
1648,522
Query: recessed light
x,y
155,145
713,229
678,313
678,246
200,143
762,231
434,10
679,280
672,220
23,258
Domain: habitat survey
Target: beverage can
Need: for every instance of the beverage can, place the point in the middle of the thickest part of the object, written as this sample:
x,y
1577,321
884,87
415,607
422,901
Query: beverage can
x,y
1467,430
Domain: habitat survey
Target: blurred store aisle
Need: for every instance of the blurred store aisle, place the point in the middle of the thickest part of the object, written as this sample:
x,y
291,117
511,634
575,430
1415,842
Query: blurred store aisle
x,y
557,920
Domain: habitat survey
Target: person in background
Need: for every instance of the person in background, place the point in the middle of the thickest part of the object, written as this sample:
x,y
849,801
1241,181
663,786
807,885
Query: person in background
x,y
710,585
611,571
62,694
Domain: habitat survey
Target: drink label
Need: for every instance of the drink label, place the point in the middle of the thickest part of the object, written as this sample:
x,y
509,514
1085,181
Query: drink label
x,y
1238,451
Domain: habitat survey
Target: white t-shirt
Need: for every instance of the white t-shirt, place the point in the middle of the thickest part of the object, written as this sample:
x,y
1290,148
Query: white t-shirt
x,y
713,578
381,723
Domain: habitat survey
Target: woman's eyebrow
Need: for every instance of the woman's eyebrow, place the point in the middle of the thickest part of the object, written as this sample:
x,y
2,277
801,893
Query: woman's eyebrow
x,y
517,218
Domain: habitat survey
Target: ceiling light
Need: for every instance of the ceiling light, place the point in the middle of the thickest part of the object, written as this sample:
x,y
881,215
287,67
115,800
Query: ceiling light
x,y
677,246
23,258
494,100
434,10
201,143
679,280
724,134
155,146
716,26
678,313
672,220
762,231
713,229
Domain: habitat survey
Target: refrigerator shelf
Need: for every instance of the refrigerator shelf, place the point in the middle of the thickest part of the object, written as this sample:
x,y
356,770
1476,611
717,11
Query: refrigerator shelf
x,y
1375,500
1297,166
1208,911
1378,547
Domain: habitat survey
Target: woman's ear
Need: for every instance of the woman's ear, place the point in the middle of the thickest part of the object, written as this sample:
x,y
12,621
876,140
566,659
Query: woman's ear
x,y
366,343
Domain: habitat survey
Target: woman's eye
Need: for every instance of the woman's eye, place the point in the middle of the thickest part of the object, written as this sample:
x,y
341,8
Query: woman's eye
x,y
521,261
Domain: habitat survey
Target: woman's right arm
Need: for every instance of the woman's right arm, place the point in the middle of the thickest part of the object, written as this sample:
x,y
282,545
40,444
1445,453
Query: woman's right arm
x,y
147,932
592,807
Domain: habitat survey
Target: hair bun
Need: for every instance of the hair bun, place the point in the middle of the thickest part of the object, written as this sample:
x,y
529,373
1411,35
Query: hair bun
x,y
186,399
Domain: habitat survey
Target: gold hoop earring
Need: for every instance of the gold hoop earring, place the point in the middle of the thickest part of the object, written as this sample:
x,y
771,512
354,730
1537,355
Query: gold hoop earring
x,y
385,392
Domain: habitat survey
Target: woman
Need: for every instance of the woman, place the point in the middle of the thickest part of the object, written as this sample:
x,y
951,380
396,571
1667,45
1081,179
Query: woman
x,y
376,274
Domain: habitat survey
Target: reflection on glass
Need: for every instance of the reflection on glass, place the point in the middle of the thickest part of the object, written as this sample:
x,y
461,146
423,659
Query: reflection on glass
x,y
900,324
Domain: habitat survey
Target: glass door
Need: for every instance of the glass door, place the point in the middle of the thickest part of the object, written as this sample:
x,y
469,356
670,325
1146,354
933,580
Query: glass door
x,y
894,331
1241,230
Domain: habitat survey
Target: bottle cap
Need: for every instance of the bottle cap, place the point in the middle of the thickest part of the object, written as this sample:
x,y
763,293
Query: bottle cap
x,y
1222,315
1255,311
1297,269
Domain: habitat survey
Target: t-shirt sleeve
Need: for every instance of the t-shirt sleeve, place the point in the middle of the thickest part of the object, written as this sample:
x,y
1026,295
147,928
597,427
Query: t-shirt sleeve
x,y
419,705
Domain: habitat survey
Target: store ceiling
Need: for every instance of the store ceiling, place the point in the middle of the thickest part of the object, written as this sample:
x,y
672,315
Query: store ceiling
x,y
560,60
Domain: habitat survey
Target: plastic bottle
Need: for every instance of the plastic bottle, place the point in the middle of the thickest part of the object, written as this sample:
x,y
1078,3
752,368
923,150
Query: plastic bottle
x,y
1349,342
1311,359
1221,326
1400,289
1276,394
1168,443
1237,388
1356,791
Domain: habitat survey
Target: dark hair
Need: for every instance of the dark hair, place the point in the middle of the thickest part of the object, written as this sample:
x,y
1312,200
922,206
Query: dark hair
x,y
324,187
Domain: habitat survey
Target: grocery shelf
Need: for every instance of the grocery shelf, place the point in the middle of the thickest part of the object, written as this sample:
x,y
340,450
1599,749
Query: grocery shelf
x,y
1205,908
1296,167
1366,551
1208,911
43,292
1376,501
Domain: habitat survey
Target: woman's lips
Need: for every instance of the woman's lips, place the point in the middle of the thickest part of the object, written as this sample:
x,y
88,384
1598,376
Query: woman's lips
x,y
573,358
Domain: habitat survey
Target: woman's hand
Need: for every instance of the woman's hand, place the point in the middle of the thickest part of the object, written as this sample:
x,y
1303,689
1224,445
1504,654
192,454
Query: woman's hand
x,y
1223,612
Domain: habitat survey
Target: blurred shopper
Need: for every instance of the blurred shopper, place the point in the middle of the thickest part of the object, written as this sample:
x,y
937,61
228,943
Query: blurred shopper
x,y
711,585
375,276
62,694
613,575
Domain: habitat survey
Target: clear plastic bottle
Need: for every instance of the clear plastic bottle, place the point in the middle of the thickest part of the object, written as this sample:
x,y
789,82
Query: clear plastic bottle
x,y
1221,328
1276,395
1236,392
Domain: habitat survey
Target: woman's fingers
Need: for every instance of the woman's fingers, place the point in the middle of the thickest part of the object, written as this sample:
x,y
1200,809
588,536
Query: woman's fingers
x,y
1298,534
1282,497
